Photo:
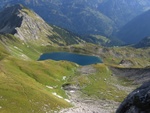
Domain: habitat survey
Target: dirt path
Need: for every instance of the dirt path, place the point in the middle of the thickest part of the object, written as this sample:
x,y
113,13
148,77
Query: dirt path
x,y
86,105
83,104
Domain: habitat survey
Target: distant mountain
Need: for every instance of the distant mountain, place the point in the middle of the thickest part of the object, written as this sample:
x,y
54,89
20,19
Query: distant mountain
x,y
86,17
144,43
28,26
103,41
78,16
136,29
122,11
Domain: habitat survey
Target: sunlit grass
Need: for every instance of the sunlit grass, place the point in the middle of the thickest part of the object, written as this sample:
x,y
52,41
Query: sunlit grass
x,y
23,85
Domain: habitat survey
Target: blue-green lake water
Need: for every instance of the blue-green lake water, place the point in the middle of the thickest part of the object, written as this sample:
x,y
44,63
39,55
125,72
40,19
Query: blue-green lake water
x,y
77,58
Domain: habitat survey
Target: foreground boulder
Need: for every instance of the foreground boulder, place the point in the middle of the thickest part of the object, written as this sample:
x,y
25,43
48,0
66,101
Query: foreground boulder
x,y
138,101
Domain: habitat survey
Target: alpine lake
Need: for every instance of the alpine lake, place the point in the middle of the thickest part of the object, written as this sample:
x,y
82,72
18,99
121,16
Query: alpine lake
x,y
72,57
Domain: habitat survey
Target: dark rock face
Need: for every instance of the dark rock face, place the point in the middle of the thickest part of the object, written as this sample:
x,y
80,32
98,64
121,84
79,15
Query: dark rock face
x,y
70,87
126,63
138,101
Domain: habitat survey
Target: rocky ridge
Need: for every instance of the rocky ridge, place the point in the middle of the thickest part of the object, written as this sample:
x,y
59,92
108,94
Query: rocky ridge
x,y
28,26
23,23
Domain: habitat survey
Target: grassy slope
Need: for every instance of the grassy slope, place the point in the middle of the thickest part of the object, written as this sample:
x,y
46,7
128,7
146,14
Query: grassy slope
x,y
23,80
23,85
18,48
3,52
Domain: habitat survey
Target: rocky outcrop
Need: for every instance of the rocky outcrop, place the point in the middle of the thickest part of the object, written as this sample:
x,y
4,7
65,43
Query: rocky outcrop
x,y
70,87
126,63
138,101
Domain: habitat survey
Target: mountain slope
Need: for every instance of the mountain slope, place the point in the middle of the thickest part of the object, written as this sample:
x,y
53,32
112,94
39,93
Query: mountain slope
x,y
28,26
4,52
136,29
72,15
122,11
143,43
29,86
86,17
22,23
26,35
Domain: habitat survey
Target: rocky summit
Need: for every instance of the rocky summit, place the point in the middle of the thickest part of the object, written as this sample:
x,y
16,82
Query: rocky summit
x,y
138,101
23,23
